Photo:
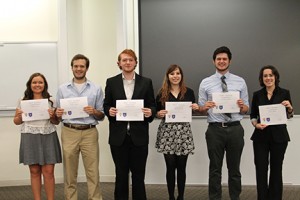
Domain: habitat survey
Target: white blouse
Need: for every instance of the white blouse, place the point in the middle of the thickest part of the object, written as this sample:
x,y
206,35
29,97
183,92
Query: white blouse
x,y
38,126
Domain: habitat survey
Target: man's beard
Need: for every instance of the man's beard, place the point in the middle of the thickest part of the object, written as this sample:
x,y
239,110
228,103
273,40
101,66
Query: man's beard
x,y
222,70
79,77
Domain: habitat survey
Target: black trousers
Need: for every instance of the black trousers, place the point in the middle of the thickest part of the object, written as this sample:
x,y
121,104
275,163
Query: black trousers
x,y
129,157
264,154
220,140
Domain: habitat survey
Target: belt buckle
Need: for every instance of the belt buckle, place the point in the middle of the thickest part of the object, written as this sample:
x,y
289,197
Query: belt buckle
x,y
224,124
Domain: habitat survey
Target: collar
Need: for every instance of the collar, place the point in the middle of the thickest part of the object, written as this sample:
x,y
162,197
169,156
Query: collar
x,y
219,75
87,82
274,92
123,77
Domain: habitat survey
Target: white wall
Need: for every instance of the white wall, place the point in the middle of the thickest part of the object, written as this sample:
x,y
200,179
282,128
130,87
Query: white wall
x,y
90,28
96,28
197,167
18,16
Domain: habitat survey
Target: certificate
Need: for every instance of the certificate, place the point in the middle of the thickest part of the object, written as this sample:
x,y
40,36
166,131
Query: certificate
x,y
130,110
73,107
226,102
35,109
272,114
178,112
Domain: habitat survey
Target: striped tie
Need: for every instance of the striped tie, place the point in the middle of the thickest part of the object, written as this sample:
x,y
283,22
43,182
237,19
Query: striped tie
x,y
224,85
225,89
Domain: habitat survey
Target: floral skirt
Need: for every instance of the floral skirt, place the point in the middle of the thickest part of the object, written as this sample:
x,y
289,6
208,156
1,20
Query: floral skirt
x,y
175,138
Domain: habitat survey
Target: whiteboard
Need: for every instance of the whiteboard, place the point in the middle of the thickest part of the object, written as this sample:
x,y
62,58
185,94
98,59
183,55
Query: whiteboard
x,y
18,61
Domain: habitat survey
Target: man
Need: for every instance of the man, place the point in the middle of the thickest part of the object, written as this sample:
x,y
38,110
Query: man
x,y
129,140
80,135
224,132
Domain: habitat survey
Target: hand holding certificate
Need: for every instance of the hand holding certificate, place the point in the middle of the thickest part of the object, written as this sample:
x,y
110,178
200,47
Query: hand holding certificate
x,y
35,109
226,102
73,107
130,110
179,111
272,114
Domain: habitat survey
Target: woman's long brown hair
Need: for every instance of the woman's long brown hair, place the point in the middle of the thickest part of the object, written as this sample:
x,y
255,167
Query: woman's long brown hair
x,y
166,86
28,94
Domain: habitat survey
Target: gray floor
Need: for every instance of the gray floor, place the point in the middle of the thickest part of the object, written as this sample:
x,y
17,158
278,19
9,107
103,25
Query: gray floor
x,y
154,192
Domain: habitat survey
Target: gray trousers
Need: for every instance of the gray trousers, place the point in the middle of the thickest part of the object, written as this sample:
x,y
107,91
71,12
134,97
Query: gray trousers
x,y
220,139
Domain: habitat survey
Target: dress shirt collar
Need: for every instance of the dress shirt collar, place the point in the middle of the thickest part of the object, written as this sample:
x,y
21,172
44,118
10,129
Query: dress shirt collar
x,y
123,77
71,83
219,75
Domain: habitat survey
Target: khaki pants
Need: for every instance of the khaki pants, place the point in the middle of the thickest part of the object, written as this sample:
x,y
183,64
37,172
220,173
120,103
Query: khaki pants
x,y
86,142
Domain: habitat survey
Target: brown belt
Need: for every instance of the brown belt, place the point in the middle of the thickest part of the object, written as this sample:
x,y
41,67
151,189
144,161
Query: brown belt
x,y
79,126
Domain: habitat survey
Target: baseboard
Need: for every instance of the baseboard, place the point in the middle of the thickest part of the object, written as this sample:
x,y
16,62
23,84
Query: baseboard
x,y
58,180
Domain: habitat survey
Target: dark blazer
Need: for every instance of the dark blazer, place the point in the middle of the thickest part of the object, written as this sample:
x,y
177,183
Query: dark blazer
x,y
278,133
139,130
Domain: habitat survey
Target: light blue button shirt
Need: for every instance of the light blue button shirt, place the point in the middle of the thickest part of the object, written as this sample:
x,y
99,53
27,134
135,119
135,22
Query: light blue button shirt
x,y
212,84
93,93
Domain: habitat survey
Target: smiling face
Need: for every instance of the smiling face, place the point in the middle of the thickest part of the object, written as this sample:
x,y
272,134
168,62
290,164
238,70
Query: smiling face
x,y
222,62
268,78
175,77
79,69
37,85
127,63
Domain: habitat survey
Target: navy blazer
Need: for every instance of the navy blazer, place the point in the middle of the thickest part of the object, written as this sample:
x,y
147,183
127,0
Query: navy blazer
x,y
139,130
277,133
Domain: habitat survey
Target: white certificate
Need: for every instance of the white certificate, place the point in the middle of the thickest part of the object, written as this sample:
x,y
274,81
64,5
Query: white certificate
x,y
178,111
226,102
35,109
73,107
130,110
272,114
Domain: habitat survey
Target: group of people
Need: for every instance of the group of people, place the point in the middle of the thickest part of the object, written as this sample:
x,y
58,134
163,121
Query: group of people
x,y
40,147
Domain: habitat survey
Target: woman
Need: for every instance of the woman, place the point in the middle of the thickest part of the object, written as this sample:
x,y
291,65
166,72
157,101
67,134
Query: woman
x,y
40,147
174,140
269,142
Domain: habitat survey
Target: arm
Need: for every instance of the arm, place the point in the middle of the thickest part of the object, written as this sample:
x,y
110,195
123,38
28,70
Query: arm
x,y
243,108
96,111
254,115
243,102
288,104
195,107
53,118
99,115
59,111
18,117
161,112
204,104
109,110
150,107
